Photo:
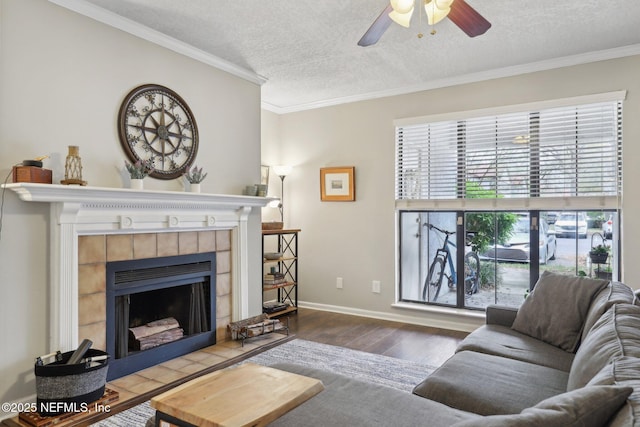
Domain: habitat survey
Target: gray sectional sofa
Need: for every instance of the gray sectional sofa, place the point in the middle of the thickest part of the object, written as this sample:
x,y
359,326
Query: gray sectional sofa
x,y
569,356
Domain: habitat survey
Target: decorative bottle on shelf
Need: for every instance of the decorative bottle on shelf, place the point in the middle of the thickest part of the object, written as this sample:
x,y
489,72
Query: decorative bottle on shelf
x,y
73,167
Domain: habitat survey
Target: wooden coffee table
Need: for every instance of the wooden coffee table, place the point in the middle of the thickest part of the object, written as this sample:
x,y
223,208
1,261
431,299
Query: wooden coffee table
x,y
247,395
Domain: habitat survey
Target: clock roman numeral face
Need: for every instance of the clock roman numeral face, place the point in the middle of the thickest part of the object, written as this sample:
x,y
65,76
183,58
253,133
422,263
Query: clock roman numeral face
x,y
155,123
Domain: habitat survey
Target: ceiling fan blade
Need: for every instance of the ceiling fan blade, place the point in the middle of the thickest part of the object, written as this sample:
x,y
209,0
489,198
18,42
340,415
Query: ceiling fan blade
x,y
377,29
468,19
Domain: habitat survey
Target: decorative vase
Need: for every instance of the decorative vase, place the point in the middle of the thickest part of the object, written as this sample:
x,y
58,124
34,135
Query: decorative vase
x,y
136,184
195,187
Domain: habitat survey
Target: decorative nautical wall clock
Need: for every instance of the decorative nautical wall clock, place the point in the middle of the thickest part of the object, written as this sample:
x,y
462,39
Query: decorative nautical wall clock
x,y
155,123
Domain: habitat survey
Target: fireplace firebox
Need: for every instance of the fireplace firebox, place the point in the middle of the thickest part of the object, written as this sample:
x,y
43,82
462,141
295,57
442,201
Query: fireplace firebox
x,y
158,309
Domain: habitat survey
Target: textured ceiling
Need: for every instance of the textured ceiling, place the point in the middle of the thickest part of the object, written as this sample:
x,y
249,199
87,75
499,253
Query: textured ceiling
x,y
307,50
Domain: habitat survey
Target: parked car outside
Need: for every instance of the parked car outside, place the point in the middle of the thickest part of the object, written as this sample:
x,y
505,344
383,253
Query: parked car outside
x,y
607,227
568,225
517,248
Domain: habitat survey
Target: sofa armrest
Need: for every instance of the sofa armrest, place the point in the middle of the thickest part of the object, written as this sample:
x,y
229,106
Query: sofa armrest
x,y
501,315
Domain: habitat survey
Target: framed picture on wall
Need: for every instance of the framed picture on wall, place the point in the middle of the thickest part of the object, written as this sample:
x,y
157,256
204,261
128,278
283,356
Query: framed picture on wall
x,y
337,184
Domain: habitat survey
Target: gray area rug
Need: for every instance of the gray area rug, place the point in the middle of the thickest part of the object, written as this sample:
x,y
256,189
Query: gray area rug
x,y
373,368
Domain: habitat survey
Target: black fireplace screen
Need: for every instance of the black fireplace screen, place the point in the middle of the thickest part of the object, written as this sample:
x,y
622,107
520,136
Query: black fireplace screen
x,y
159,303
188,305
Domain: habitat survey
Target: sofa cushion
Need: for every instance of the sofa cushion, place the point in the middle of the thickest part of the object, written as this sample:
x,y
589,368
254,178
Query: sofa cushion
x,y
589,406
500,315
504,341
624,371
614,293
490,385
556,309
615,334
349,402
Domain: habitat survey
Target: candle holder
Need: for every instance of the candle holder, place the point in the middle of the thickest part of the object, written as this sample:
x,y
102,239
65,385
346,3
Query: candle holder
x,y
73,167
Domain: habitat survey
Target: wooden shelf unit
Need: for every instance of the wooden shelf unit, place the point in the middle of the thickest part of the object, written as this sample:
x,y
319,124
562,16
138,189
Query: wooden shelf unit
x,y
268,287
286,241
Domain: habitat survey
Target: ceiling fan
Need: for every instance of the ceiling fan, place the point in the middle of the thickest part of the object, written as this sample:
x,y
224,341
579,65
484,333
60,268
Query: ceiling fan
x,y
458,11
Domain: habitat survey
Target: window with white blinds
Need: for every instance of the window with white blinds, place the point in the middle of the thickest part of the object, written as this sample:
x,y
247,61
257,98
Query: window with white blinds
x,y
566,151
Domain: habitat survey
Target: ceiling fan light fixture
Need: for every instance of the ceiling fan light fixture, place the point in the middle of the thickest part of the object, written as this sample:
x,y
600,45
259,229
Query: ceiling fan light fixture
x,y
403,19
402,6
459,12
443,4
437,10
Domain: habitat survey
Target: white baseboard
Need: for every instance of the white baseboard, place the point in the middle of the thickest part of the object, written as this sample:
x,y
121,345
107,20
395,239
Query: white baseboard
x,y
436,317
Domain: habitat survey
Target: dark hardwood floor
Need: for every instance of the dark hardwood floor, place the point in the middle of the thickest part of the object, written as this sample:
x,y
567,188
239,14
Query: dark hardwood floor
x,y
394,339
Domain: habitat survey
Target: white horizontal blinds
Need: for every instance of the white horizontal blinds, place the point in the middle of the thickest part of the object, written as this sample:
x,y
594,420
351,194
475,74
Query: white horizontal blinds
x,y
556,152
581,150
426,166
498,155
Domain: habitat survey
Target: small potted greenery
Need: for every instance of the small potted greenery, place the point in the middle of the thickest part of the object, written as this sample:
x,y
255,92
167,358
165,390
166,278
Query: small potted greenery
x,y
606,273
138,171
195,176
599,254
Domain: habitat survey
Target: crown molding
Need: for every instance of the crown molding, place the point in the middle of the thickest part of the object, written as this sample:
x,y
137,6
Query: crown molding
x,y
516,70
127,25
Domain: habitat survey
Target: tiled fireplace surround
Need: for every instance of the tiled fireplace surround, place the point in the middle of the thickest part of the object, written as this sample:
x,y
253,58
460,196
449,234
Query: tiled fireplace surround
x,y
90,226
95,251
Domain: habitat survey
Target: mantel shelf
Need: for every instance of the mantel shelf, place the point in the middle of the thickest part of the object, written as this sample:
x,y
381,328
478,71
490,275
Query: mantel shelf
x,y
115,197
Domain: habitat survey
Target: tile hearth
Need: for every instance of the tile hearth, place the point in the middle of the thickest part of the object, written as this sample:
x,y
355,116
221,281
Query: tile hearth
x,y
152,379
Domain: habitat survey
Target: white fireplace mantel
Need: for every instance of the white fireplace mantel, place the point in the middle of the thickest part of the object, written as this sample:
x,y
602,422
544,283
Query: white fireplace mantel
x,y
76,210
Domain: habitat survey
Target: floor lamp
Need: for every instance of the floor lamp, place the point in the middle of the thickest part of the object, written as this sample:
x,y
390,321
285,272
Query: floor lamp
x,y
282,171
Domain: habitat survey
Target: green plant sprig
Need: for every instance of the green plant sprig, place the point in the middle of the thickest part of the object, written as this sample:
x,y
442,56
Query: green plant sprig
x,y
139,169
600,250
195,175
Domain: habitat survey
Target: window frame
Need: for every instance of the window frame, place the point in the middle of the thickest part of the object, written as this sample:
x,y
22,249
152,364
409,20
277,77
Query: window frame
x,y
532,203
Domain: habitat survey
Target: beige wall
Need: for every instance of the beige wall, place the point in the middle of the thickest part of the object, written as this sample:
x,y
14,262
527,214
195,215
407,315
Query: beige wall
x,y
62,79
271,154
356,241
